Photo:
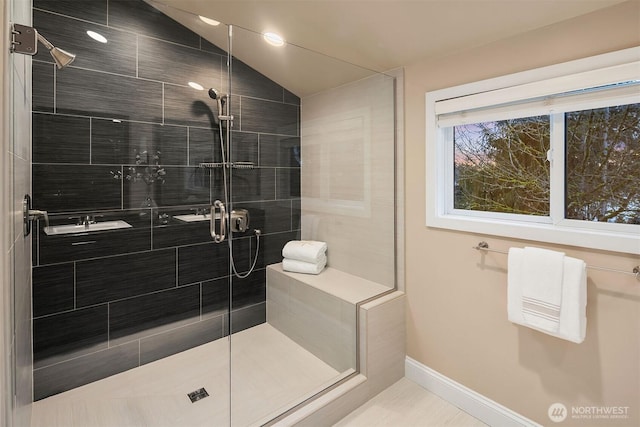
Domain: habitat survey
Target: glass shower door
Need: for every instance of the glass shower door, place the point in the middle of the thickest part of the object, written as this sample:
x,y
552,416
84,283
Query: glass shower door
x,y
310,159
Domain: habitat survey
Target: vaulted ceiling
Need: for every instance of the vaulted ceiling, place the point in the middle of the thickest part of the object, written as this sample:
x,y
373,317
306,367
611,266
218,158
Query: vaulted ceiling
x,y
374,34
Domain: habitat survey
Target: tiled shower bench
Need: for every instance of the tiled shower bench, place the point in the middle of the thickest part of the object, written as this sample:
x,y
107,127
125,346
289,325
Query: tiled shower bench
x,y
322,313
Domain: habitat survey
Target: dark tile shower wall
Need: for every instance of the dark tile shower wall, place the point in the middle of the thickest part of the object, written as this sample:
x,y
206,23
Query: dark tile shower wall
x,y
119,135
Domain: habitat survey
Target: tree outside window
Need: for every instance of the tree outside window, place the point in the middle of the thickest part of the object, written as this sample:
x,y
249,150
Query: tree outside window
x,y
501,166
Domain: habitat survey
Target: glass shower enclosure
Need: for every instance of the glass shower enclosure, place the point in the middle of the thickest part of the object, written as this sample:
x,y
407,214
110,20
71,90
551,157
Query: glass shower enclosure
x,y
175,161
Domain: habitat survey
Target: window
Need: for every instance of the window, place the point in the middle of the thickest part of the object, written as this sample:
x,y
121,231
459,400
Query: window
x,y
550,155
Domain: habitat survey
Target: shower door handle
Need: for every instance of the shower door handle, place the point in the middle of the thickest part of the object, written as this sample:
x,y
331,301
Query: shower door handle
x,y
29,215
218,237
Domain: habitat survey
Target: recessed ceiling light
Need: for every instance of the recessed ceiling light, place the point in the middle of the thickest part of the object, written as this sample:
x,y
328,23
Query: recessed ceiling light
x,y
273,39
209,20
97,37
195,86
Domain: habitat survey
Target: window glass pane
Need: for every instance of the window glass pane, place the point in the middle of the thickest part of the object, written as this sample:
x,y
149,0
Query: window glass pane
x,y
603,164
501,166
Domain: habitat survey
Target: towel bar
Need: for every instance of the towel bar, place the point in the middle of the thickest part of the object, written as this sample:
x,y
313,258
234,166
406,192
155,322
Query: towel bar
x,y
484,246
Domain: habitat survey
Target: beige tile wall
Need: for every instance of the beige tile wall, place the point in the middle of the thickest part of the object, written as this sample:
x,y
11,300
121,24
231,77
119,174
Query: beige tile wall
x,y
16,355
347,178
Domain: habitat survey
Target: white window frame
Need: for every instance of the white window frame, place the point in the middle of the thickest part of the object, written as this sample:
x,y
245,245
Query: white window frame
x,y
544,81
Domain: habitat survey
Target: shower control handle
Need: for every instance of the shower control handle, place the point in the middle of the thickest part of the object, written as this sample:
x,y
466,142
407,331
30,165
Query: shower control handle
x,y
218,237
239,220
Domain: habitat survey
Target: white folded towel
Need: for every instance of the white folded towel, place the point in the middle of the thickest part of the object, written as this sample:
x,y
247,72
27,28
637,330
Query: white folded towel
x,y
541,281
572,322
573,314
305,250
296,266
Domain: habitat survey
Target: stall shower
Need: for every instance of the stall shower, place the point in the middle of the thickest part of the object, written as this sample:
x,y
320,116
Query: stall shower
x,y
173,173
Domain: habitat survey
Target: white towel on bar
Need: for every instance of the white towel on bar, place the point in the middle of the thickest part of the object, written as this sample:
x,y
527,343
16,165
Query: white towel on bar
x,y
296,266
305,250
573,301
541,281
573,313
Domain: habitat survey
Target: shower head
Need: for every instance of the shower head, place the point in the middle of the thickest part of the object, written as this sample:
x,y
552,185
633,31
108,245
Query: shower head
x,y
214,94
62,58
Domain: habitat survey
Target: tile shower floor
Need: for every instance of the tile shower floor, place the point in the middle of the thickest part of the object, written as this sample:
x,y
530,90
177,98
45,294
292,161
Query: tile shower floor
x,y
268,372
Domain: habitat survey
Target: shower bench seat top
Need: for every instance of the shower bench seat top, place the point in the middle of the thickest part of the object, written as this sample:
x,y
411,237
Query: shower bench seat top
x,y
345,286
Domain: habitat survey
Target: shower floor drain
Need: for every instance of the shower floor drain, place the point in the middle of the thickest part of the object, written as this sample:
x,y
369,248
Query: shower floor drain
x,y
197,395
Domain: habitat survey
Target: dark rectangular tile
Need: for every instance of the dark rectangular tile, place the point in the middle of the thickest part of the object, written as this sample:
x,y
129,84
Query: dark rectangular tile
x,y
91,93
280,151
134,143
139,17
258,115
172,63
153,313
166,186
65,188
296,213
291,98
35,242
248,317
181,339
202,262
60,139
249,291
204,146
117,55
84,370
186,106
72,247
253,184
109,279
43,75
217,185
249,82
180,233
53,289
91,10
66,335
268,217
287,183
235,111
215,297
244,147
242,255
210,47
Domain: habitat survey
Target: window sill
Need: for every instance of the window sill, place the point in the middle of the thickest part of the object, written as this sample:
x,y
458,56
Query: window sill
x,y
539,232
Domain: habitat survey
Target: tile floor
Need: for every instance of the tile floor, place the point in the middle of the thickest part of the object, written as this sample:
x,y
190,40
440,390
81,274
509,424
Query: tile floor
x,y
268,372
406,404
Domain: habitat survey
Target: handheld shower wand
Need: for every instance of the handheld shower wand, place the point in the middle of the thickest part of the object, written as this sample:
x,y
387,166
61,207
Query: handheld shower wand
x,y
239,217
213,94
221,100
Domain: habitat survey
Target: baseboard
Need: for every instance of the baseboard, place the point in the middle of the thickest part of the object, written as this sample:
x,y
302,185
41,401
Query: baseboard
x,y
473,403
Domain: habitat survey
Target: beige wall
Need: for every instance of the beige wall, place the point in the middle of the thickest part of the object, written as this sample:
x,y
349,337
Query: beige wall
x,y
456,317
